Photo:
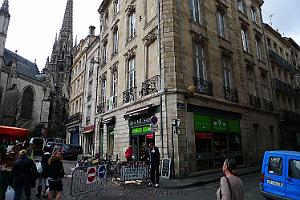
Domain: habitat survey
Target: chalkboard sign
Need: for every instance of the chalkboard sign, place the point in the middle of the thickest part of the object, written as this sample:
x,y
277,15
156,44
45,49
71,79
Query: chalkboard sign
x,y
166,166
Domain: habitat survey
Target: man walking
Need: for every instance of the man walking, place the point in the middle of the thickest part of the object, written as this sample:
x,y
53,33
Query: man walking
x,y
154,165
24,173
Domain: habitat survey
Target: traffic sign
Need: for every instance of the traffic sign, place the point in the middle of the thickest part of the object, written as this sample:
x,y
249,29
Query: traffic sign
x,y
154,127
154,119
91,175
102,172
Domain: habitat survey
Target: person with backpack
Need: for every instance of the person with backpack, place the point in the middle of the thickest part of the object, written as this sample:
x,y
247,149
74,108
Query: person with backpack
x,y
231,186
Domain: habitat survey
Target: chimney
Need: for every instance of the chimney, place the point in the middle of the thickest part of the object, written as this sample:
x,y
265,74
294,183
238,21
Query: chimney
x,y
92,30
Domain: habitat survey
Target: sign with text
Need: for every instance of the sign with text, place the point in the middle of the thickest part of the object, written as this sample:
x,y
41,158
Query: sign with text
x,y
134,171
166,167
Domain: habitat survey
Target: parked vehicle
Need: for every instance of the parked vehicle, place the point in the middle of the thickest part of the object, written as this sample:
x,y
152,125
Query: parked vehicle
x,y
280,175
38,145
69,151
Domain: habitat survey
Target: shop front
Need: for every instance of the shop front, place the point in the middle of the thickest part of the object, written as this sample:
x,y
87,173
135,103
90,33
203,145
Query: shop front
x,y
74,135
88,140
216,139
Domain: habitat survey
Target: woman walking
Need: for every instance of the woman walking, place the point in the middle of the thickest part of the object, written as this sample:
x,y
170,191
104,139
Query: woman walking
x,y
231,186
56,173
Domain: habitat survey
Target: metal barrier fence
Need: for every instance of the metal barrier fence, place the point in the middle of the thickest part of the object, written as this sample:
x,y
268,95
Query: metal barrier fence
x,y
131,171
87,179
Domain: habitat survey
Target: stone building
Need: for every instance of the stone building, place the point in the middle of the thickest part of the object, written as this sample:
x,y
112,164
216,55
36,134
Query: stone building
x,y
284,55
57,68
24,91
83,93
190,76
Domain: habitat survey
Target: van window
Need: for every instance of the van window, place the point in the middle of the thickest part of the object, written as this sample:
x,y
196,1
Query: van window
x,y
275,165
294,169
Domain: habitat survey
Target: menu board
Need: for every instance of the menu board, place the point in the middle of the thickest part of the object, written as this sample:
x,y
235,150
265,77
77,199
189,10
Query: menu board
x,y
166,166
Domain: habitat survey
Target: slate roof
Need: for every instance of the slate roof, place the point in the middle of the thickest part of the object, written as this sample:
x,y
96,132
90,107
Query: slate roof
x,y
24,66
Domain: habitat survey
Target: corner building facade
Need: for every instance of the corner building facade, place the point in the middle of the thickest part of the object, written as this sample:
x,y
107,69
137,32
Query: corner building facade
x,y
203,63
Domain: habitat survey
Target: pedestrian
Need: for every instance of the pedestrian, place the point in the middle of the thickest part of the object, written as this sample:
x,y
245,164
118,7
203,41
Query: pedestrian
x,y
144,155
24,173
43,178
231,186
154,165
129,153
56,173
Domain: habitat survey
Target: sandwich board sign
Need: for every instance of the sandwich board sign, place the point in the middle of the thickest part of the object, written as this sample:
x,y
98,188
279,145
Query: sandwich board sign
x,y
166,167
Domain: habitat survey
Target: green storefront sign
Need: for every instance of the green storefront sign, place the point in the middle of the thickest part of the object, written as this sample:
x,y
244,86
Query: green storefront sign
x,y
206,123
141,130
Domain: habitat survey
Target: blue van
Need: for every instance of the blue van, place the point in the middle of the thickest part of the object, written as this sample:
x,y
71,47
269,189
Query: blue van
x,y
280,175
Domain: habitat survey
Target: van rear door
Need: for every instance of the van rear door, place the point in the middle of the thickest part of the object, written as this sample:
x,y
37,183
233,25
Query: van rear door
x,y
274,181
293,177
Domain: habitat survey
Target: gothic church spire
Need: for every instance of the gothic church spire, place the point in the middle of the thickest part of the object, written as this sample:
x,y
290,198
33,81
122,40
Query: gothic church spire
x,y
4,9
67,25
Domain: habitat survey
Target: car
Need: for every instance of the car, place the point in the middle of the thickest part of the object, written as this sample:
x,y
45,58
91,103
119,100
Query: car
x,y
280,175
69,151
38,145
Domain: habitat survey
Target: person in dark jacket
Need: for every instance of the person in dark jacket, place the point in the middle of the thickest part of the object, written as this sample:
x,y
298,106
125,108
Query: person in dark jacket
x,y
24,174
43,178
56,173
154,165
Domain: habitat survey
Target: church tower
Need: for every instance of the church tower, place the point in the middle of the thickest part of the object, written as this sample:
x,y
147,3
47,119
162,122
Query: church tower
x,y
57,68
4,22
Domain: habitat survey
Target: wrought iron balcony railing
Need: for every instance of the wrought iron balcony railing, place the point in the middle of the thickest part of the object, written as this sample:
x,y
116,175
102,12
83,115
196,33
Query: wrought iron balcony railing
x,y
268,105
74,118
281,61
150,86
101,108
129,95
289,116
231,95
283,87
254,101
203,86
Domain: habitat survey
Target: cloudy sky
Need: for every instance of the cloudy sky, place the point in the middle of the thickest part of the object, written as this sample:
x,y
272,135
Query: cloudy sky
x,y
34,23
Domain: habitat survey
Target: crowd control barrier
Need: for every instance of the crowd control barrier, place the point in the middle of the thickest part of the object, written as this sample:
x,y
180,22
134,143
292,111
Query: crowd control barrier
x,y
87,179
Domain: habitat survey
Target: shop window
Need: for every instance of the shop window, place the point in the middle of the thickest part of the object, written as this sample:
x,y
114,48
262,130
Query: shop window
x,y
275,165
294,169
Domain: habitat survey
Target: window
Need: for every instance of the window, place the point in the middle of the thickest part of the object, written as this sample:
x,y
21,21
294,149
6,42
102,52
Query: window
x,y
221,23
253,14
275,165
199,60
78,85
131,25
131,73
103,91
105,21
114,83
90,86
294,169
116,6
264,86
258,48
241,6
104,53
251,81
227,72
245,39
195,7
115,41
76,106
27,103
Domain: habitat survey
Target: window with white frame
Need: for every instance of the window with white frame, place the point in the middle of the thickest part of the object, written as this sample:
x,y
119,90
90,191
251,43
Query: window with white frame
x,y
131,73
195,7
245,39
116,6
114,83
221,23
115,41
258,47
199,60
251,81
241,6
131,25
103,90
227,72
104,53
253,14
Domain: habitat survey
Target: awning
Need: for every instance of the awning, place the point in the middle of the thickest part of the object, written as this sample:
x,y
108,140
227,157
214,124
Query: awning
x,y
88,129
8,132
139,111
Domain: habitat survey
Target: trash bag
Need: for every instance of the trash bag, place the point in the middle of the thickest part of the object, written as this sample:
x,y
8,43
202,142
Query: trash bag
x,y
10,193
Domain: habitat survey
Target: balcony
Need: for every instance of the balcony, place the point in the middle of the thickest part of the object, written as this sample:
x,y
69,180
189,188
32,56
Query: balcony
x,y
74,118
101,108
150,86
289,116
281,61
203,86
112,103
129,95
283,87
231,95
255,101
268,105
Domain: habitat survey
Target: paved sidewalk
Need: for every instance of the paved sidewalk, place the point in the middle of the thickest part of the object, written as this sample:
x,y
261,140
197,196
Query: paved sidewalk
x,y
202,179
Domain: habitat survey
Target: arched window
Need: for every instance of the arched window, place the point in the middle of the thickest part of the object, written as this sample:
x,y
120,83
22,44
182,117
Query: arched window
x,y
27,103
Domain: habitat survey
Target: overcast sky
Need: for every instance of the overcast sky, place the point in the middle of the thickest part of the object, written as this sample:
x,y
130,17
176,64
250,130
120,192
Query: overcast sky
x,y
34,23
